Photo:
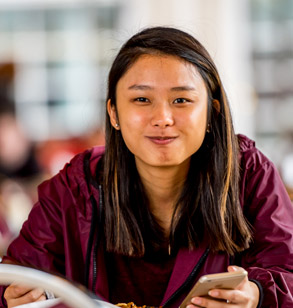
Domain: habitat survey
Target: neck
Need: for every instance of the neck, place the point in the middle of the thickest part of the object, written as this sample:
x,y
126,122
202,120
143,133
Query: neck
x,y
163,186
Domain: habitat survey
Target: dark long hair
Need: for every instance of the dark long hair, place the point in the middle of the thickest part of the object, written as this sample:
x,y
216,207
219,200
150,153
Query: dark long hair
x,y
208,207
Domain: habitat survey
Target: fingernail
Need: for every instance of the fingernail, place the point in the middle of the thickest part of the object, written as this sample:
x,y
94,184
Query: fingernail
x,y
213,293
196,300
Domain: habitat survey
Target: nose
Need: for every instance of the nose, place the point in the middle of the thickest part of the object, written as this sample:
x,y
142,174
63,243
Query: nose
x,y
162,115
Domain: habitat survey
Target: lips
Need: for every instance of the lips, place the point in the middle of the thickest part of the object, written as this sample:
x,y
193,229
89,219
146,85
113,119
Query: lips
x,y
162,140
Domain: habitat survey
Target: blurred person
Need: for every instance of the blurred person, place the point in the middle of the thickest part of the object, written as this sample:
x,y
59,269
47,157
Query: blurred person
x,y
5,236
19,172
5,232
173,195
17,156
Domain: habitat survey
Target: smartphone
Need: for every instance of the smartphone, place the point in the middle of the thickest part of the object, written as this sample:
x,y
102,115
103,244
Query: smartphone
x,y
227,280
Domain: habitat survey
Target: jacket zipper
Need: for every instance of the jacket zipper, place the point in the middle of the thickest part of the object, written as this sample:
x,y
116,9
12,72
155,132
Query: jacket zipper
x,y
189,278
94,267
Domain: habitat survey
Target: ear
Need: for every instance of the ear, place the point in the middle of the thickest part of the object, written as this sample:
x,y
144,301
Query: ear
x,y
111,109
217,105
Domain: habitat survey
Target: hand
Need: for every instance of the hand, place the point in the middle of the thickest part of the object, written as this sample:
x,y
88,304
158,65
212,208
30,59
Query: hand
x,y
246,295
16,295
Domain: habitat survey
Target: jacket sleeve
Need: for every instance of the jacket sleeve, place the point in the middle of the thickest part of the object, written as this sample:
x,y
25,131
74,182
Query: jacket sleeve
x,y
268,208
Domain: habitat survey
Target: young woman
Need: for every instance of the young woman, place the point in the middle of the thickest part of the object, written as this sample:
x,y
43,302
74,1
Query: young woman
x,y
174,195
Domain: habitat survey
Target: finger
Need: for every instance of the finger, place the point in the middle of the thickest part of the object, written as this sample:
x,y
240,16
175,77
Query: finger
x,y
235,268
34,294
210,303
30,297
41,298
192,306
233,296
16,290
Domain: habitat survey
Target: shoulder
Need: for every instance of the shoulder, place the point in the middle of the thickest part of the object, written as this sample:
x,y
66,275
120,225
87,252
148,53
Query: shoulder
x,y
255,170
76,166
260,180
73,178
75,169
251,158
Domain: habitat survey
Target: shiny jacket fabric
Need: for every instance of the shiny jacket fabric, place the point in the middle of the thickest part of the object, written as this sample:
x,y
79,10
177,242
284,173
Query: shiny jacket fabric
x,y
57,236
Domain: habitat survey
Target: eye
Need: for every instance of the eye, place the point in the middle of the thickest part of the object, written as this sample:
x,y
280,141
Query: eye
x,y
181,100
141,100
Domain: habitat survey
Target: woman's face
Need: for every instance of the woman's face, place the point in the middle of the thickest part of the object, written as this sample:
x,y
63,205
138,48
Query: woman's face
x,y
162,110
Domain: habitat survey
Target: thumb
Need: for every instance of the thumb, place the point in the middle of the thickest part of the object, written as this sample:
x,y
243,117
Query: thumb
x,y
234,268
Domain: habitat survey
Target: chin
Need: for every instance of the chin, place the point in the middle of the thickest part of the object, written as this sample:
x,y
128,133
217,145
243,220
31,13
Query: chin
x,y
167,163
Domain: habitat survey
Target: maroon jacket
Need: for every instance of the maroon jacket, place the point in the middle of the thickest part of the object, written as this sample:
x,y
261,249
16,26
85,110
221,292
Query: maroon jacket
x,y
58,231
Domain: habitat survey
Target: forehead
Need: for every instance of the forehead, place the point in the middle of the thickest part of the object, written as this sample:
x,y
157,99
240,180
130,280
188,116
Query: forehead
x,y
162,70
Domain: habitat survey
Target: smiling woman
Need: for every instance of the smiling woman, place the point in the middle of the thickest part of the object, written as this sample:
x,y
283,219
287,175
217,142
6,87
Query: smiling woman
x,y
149,77
174,195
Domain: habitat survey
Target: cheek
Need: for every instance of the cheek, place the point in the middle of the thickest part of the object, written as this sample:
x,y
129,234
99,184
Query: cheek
x,y
132,120
132,126
197,120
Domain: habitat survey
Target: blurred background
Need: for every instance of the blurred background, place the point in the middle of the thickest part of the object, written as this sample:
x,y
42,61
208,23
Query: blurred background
x,y
54,60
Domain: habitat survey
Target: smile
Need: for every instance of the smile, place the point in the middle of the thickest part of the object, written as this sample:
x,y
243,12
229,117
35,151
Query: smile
x,y
162,140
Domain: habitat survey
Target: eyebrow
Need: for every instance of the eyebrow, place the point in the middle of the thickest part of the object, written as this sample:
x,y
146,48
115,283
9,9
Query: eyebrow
x,y
183,88
146,87
140,87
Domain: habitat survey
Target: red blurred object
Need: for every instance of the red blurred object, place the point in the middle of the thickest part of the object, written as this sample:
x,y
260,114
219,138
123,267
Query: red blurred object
x,y
4,230
54,154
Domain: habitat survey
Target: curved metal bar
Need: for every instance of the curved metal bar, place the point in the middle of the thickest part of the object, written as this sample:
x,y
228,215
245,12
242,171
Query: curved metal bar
x,y
70,295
